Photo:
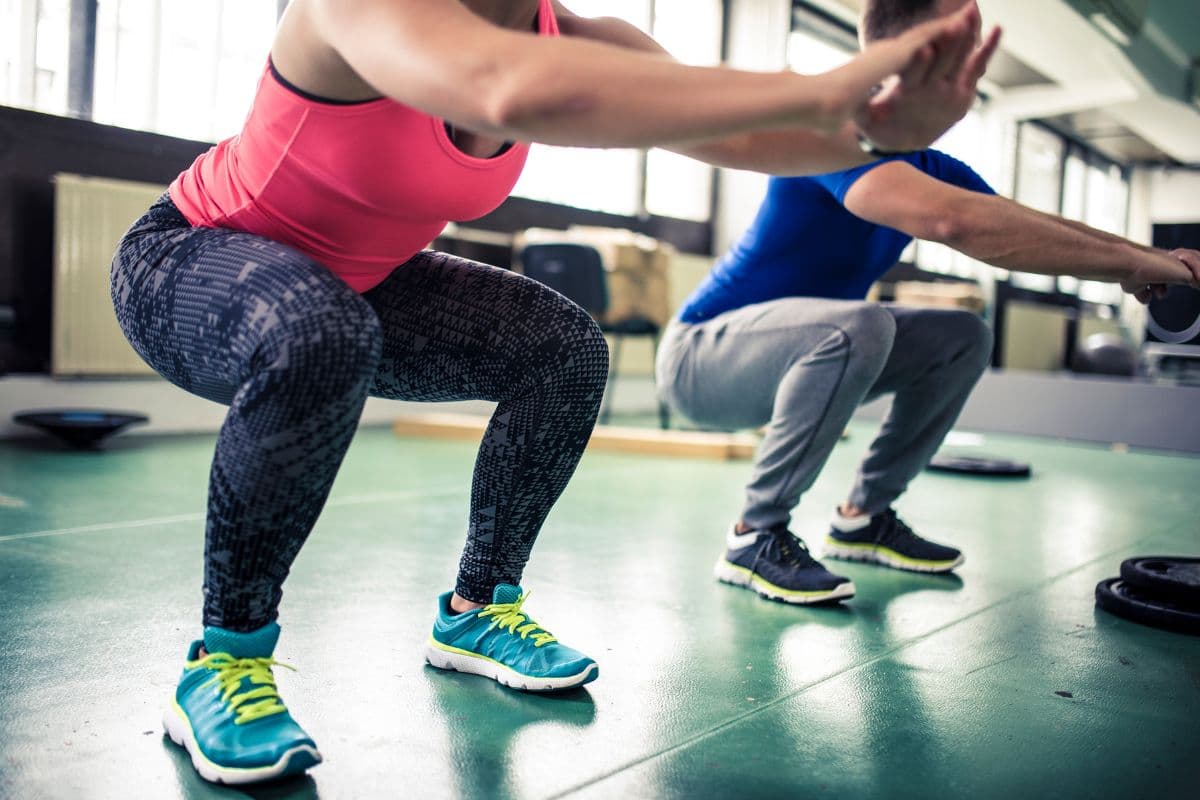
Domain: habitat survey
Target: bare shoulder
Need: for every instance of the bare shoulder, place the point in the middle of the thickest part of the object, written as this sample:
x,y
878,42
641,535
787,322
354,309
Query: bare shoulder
x,y
304,54
610,30
562,12
300,33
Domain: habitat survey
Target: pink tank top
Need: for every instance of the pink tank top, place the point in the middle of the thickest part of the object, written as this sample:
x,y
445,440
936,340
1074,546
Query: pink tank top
x,y
359,188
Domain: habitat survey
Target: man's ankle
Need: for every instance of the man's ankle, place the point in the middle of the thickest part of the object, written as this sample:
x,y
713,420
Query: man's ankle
x,y
850,511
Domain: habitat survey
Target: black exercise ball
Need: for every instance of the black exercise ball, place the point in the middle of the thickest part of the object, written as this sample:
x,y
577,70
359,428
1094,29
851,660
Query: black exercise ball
x,y
1105,354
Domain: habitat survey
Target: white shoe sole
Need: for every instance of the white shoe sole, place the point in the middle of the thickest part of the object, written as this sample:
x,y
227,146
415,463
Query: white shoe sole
x,y
179,729
740,576
440,656
872,554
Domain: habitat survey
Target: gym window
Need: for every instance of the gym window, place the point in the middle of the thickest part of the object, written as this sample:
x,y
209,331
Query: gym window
x,y
633,182
189,69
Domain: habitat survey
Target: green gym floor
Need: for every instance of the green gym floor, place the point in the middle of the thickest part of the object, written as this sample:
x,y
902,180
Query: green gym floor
x,y
1002,681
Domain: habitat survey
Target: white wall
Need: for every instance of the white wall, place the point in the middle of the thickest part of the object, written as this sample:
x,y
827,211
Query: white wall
x,y
1174,195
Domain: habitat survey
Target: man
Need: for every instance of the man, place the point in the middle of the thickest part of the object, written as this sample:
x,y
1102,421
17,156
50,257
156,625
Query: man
x,y
779,335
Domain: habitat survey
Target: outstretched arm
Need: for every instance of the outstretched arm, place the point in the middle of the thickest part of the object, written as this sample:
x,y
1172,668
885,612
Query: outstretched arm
x,y
440,57
930,96
1006,234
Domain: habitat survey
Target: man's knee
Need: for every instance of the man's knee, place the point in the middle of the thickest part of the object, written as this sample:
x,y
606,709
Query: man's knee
x,y
976,337
871,332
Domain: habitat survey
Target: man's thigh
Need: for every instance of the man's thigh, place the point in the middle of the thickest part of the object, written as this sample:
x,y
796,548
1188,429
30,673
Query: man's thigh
x,y
730,367
926,338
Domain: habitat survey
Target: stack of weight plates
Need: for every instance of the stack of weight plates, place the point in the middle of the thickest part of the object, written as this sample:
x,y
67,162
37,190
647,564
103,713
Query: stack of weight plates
x,y
1162,591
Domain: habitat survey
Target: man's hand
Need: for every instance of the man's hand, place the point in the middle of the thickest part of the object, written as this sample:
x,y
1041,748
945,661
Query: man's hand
x,y
936,88
1191,260
1145,292
1147,284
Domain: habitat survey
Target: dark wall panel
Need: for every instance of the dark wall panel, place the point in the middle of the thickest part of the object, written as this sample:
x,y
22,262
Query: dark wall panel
x,y
1180,309
1174,236
33,147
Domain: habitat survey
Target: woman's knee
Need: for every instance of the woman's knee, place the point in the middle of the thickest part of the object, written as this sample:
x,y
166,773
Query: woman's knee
x,y
581,351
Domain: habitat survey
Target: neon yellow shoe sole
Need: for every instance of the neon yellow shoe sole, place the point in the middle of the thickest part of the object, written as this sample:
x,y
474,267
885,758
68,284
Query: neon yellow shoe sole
x,y
878,554
730,573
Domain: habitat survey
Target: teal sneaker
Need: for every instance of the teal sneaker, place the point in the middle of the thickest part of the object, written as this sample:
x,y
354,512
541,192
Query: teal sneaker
x,y
228,715
501,642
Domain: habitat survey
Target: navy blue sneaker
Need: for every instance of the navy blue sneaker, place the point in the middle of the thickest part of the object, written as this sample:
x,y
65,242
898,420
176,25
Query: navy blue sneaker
x,y
777,565
887,540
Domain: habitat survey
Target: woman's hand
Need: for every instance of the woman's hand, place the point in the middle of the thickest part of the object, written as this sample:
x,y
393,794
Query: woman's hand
x,y
913,88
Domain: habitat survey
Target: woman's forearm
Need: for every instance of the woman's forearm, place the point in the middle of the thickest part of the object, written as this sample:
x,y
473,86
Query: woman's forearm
x,y
440,58
589,97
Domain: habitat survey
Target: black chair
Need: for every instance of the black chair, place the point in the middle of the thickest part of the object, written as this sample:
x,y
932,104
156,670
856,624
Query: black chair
x,y
576,271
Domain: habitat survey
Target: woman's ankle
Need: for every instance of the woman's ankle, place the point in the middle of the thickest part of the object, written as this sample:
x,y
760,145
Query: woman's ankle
x,y
461,605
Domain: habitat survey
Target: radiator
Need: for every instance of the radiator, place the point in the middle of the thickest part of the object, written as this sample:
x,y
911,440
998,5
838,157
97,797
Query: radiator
x,y
90,215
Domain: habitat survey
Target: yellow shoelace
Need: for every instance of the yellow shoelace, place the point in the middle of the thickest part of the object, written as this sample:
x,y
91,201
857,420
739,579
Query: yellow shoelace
x,y
249,705
509,616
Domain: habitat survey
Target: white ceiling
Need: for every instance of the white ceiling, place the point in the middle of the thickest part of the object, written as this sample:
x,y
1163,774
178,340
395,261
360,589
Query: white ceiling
x,y
1086,82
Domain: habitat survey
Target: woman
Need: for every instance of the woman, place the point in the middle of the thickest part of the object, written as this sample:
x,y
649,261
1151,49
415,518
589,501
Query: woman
x,y
268,279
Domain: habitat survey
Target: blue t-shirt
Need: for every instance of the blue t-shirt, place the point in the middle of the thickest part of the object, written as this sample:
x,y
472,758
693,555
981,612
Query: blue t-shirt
x,y
804,243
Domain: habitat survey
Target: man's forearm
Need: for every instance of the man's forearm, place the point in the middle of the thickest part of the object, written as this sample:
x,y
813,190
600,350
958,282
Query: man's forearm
x,y
1006,234
782,152
1105,235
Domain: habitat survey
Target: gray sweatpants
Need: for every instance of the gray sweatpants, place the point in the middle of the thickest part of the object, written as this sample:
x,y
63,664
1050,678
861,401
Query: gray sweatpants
x,y
801,366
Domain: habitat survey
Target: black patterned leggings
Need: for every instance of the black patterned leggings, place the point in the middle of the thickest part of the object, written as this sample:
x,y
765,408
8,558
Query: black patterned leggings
x,y
294,353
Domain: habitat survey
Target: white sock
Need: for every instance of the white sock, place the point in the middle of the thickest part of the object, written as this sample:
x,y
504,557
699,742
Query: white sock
x,y
849,524
736,541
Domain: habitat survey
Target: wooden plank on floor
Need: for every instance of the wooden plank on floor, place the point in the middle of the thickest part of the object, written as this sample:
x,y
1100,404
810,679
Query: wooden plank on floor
x,y
644,441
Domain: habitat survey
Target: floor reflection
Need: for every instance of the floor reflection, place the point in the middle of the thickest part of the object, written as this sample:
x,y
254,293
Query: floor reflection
x,y
193,787
483,722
